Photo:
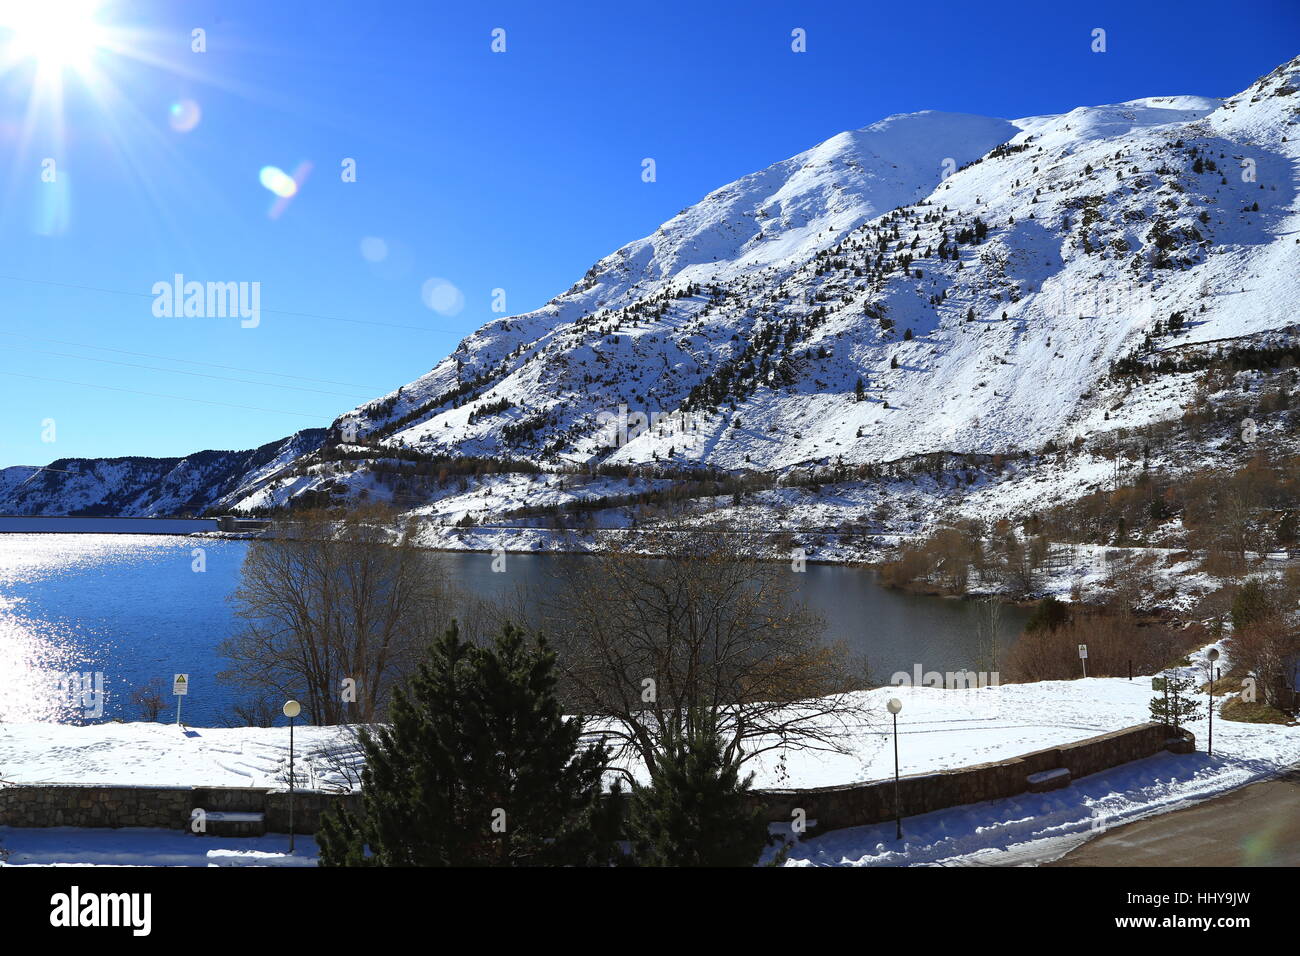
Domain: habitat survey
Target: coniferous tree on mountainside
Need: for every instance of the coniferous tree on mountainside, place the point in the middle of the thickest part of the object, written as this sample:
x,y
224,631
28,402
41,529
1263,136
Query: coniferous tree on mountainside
x,y
477,767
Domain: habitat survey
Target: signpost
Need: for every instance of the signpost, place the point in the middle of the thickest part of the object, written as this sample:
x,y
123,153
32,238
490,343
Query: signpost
x,y
180,687
1083,656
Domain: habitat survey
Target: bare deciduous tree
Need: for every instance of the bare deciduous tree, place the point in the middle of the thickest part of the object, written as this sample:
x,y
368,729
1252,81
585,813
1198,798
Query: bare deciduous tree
x,y
658,647
1269,652
988,633
332,598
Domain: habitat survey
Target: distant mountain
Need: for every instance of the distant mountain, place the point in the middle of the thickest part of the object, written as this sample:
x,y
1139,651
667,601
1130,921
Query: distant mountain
x,y
146,487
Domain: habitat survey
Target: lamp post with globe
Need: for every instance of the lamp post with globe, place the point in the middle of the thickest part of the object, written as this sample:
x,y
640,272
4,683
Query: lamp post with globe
x,y
291,710
1211,655
895,705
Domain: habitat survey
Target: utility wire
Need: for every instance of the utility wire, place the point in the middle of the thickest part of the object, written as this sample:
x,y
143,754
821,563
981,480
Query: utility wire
x,y
368,389
301,315
174,398
177,371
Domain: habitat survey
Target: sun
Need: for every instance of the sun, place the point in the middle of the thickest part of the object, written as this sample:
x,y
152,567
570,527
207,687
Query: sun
x,y
55,34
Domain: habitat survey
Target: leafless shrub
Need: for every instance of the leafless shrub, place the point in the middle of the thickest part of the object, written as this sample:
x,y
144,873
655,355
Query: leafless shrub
x,y
1115,642
149,698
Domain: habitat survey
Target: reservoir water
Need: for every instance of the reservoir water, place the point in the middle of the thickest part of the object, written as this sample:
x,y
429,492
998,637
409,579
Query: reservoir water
x,y
122,609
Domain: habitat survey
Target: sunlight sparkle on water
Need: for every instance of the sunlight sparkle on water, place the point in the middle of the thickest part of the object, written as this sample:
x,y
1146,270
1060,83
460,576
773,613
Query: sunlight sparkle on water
x,y
37,657
33,668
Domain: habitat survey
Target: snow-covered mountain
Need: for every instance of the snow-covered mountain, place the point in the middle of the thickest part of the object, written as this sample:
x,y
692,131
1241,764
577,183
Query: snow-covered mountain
x,y
141,487
932,282
980,309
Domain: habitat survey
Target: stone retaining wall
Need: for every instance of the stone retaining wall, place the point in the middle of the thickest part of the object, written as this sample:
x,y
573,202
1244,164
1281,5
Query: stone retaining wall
x,y
73,805
58,805
860,804
308,805
55,805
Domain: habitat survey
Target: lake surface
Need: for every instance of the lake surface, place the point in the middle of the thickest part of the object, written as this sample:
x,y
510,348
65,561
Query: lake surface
x,y
33,524
112,610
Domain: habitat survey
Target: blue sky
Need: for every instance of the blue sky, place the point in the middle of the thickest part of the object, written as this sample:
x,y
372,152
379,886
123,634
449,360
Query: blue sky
x,y
512,170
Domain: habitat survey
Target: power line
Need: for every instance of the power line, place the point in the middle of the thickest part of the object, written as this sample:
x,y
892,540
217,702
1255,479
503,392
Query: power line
x,y
301,315
175,398
175,371
369,389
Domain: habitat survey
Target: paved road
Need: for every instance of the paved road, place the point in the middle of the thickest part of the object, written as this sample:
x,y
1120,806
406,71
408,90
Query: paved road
x,y
1257,825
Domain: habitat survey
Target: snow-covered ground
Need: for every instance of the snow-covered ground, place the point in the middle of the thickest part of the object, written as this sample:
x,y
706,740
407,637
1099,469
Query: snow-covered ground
x,y
937,729
153,754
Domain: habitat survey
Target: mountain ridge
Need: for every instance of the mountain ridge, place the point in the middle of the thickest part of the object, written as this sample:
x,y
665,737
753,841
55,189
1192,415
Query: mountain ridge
x,y
932,281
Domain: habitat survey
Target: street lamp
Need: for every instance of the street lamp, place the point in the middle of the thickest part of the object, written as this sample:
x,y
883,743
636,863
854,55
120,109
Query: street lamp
x,y
1211,655
895,705
291,710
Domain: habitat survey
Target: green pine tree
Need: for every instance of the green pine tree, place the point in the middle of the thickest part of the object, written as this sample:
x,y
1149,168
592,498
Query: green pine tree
x,y
477,766
1176,705
1254,604
696,811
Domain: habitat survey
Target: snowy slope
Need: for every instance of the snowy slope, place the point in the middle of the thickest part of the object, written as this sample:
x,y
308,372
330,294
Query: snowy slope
x,y
1097,227
756,231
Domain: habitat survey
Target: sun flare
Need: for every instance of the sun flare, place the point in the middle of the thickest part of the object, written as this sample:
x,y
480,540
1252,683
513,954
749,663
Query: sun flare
x,y
55,34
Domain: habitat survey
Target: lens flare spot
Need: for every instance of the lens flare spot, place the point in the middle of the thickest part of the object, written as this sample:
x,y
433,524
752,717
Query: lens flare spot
x,y
442,296
374,249
184,115
284,186
278,181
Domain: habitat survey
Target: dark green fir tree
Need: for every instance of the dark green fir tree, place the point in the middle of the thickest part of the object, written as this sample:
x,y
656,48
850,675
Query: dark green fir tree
x,y
696,810
477,766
